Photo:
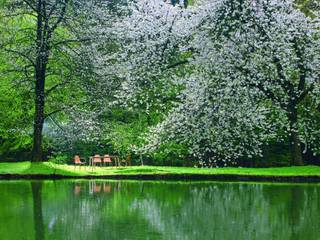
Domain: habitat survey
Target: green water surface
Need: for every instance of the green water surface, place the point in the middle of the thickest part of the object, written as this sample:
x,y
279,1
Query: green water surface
x,y
120,210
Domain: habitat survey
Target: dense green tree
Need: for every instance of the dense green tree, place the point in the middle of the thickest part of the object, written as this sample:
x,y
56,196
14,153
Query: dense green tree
x,y
39,38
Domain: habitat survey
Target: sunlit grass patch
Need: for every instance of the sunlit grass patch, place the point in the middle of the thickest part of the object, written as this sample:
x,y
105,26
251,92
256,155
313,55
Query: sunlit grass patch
x,y
46,168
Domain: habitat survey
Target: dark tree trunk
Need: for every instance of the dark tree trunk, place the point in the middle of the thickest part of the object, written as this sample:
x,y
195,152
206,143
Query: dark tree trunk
x,y
38,119
295,146
40,77
294,141
37,210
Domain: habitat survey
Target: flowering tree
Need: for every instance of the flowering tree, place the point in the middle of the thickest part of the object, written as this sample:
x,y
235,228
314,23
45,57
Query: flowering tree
x,y
137,54
213,124
154,54
272,49
245,71
150,38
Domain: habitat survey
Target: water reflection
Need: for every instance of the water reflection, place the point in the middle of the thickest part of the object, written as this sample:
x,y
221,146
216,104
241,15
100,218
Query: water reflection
x,y
158,210
77,189
37,210
91,188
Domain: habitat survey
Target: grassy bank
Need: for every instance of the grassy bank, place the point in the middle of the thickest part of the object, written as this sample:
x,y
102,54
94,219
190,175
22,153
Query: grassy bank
x,y
31,169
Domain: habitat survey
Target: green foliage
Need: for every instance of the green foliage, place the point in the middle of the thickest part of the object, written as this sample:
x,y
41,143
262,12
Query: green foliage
x,y
125,130
60,159
308,6
15,115
172,154
15,148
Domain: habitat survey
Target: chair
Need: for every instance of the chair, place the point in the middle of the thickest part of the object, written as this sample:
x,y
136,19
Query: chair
x,y
77,161
96,159
107,159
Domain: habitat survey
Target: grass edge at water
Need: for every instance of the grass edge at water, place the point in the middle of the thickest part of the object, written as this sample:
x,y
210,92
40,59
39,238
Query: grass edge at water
x,y
46,168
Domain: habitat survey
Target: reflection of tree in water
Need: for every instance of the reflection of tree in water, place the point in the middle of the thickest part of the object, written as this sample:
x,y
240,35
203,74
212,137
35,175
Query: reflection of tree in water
x,y
93,210
237,211
295,210
16,213
158,210
37,210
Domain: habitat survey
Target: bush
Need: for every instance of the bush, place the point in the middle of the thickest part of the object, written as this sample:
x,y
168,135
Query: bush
x,y
60,159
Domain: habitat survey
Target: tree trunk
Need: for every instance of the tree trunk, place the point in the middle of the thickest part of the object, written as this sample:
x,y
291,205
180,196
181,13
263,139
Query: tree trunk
x,y
38,121
294,141
295,147
40,76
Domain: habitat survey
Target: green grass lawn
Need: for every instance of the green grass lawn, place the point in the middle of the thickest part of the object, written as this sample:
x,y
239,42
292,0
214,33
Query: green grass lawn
x,y
27,168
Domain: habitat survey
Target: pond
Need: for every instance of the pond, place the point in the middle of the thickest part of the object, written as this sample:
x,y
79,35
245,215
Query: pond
x,y
99,209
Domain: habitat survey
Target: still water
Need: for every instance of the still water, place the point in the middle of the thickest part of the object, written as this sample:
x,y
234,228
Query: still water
x,y
158,210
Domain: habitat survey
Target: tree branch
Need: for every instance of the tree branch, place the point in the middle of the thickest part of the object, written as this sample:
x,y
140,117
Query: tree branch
x,y
60,18
72,41
284,83
22,55
177,64
54,112
304,93
301,66
29,3
56,87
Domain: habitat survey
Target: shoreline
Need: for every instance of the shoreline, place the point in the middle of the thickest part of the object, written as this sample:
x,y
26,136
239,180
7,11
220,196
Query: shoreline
x,y
169,177
47,170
